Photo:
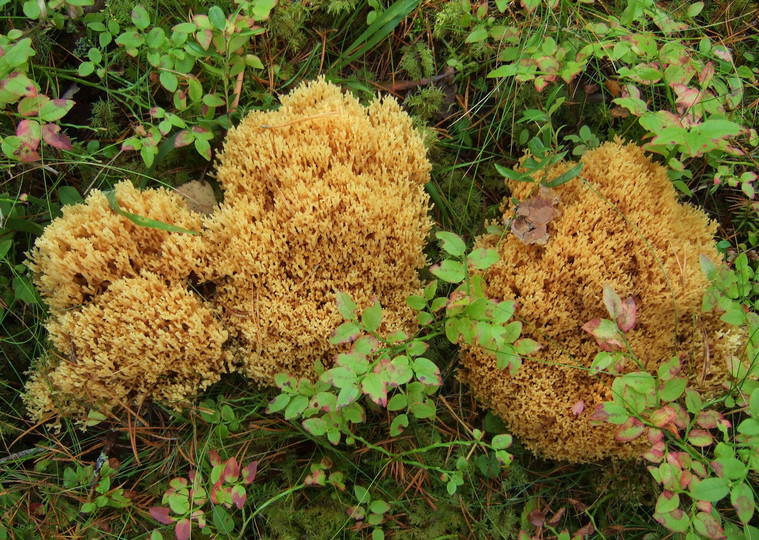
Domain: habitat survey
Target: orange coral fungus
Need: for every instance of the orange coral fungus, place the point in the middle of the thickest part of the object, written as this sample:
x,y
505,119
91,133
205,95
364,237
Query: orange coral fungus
x,y
91,246
624,227
322,195
140,338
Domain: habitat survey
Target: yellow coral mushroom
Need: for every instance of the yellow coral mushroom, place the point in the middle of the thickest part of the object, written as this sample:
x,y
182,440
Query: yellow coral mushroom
x,y
140,338
624,227
322,195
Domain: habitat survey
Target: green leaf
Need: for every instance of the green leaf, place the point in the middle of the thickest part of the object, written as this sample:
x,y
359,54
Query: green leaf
x,y
372,317
397,402
55,109
142,221
140,17
379,506
217,17
673,389
450,271
223,522
213,100
316,426
374,386
501,441
278,403
19,53
451,243
675,521
503,311
480,33
565,177
742,499
427,372
482,258
296,406
168,81
346,306
179,503
69,195
347,395
85,69
709,489
423,409
345,333
339,377
416,302
398,424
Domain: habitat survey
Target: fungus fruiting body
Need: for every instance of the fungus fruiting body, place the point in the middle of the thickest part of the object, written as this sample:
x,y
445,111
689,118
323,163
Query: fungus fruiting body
x,y
320,196
620,225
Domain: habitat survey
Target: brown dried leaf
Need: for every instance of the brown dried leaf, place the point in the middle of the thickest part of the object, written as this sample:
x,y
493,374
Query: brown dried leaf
x,y
199,196
533,216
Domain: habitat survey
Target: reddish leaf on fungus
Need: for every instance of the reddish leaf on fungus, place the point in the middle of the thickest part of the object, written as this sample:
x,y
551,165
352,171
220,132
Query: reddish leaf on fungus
x,y
630,430
51,135
578,407
606,333
161,515
626,319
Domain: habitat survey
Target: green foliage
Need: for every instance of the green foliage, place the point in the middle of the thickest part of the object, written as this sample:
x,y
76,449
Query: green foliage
x,y
426,102
187,497
697,459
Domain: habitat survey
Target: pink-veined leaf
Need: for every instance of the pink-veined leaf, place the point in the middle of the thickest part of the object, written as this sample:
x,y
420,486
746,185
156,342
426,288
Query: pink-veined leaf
x,y
662,416
700,438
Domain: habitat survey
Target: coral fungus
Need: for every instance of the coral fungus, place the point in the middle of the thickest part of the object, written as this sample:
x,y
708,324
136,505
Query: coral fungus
x,y
322,195
621,225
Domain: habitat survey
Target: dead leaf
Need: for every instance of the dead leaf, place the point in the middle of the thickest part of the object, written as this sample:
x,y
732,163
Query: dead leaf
x,y
199,196
533,216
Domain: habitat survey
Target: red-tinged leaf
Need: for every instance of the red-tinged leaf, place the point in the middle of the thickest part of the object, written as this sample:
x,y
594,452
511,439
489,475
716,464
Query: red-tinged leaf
x,y
161,515
675,521
27,154
612,301
626,319
578,407
670,369
742,499
183,529
667,502
606,333
654,435
663,416
231,470
316,478
700,438
374,387
556,517
213,458
610,412
704,506
630,430
356,512
51,135
29,131
708,419
204,38
239,496
708,526
345,333
184,138
249,472
656,453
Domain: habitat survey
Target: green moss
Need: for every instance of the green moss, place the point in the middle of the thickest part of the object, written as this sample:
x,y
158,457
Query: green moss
x,y
103,119
418,61
426,102
287,24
